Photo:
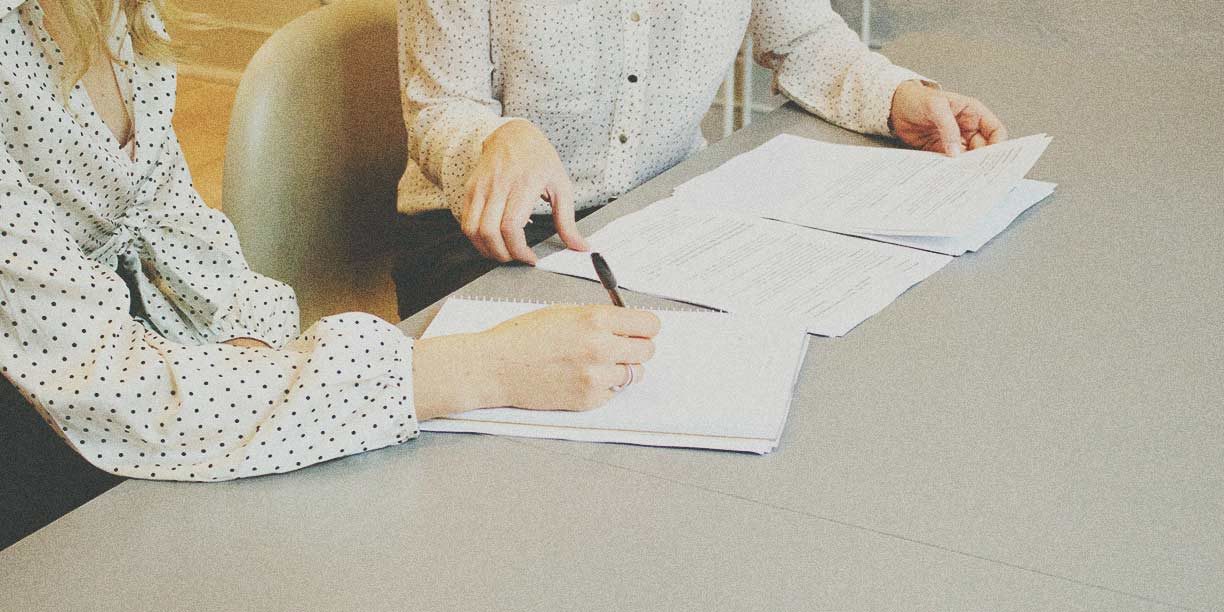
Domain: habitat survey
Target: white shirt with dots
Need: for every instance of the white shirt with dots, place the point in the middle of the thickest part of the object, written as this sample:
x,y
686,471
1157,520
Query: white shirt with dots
x,y
117,285
618,86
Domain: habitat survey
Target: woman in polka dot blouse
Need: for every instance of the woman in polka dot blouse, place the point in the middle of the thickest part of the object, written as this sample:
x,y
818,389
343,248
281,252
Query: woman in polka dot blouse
x,y
130,320
521,108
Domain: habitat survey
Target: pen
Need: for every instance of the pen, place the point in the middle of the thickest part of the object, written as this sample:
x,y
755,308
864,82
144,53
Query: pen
x,y
606,279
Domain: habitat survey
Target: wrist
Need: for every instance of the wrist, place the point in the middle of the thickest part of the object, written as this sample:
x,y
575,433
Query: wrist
x,y
511,130
448,378
903,91
908,95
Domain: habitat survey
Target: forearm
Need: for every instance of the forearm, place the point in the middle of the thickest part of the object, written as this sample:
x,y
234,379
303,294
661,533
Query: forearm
x,y
138,403
856,95
151,409
194,272
446,140
823,66
449,103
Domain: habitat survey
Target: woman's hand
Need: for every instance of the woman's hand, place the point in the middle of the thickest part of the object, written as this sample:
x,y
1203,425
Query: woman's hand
x,y
944,122
517,168
556,358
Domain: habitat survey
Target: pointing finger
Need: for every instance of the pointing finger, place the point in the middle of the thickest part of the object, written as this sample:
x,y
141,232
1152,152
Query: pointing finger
x,y
518,212
562,198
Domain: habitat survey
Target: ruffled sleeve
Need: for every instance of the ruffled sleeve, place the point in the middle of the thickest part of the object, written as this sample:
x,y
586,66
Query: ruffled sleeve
x,y
143,404
182,259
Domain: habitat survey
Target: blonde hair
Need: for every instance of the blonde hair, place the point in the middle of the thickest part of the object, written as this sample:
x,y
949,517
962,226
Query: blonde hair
x,y
87,24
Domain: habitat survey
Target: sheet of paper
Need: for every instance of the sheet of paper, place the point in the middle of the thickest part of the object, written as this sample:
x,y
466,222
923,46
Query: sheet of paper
x,y
857,190
716,381
1023,196
748,265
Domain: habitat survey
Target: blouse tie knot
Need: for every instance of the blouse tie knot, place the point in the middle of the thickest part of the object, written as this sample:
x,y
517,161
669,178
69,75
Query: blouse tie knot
x,y
127,230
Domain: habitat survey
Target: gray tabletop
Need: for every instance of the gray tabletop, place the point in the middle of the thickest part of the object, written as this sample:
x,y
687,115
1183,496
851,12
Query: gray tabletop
x,y
1037,426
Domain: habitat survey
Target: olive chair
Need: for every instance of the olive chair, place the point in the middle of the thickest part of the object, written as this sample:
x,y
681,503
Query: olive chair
x,y
316,146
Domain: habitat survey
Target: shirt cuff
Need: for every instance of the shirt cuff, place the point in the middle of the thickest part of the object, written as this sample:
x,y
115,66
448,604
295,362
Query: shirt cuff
x,y
388,353
403,348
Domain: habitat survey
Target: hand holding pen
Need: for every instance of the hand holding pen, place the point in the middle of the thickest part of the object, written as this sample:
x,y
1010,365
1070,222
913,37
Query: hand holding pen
x,y
606,278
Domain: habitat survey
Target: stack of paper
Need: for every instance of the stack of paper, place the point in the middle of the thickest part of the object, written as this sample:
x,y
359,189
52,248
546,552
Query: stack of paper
x,y
748,265
829,234
1023,196
947,204
716,381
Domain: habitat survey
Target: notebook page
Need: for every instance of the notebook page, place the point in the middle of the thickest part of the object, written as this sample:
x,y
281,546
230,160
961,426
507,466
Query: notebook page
x,y
713,375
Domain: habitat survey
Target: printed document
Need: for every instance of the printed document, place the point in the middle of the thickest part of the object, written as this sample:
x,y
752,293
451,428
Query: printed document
x,y
748,265
867,190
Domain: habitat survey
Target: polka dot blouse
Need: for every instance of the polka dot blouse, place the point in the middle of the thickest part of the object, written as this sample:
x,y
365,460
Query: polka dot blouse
x,y
117,285
618,86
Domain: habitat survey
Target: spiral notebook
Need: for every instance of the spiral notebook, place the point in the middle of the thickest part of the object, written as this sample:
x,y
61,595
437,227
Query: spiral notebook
x,y
717,381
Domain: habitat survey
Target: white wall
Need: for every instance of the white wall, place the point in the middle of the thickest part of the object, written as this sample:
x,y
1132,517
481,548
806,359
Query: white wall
x,y
1162,29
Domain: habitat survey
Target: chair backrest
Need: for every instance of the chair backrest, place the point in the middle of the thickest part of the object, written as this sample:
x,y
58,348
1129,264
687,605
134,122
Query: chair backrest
x,y
315,149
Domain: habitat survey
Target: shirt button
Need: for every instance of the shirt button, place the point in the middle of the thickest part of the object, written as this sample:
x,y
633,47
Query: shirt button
x,y
635,17
624,138
633,78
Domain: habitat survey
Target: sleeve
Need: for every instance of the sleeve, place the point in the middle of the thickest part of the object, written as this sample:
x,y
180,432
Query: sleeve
x,y
823,66
194,283
136,404
447,89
